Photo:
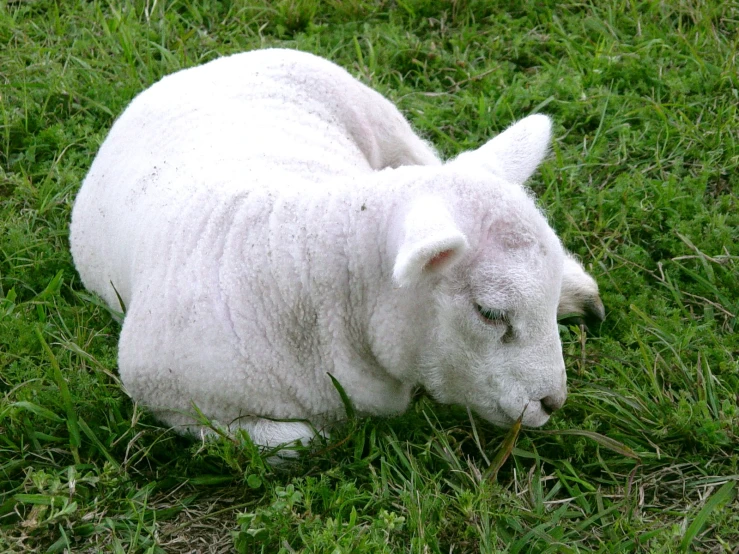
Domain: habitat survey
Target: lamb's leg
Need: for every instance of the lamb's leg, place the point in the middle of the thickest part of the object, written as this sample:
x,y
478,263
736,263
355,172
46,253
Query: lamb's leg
x,y
146,371
285,436
384,136
401,146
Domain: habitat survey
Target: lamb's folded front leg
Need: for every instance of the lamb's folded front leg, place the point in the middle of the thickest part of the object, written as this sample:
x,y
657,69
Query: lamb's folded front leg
x,y
286,436
384,136
284,439
398,145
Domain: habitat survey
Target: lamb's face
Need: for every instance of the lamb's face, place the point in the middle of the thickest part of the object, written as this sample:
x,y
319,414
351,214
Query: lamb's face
x,y
494,345
490,279
494,271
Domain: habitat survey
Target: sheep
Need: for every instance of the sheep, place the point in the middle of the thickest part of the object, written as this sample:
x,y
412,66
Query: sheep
x,y
268,220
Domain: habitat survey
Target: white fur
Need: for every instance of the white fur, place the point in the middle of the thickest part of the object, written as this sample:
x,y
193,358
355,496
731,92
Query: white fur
x,y
267,220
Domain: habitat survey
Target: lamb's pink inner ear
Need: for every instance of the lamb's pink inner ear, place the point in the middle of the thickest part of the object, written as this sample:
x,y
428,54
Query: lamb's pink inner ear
x,y
439,260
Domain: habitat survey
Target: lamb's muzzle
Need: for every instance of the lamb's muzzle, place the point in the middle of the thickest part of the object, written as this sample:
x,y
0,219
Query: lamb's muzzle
x,y
551,404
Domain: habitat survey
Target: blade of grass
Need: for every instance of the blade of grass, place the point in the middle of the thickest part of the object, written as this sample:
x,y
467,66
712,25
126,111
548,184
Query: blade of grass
x,y
90,435
719,498
607,442
36,409
505,449
72,426
351,413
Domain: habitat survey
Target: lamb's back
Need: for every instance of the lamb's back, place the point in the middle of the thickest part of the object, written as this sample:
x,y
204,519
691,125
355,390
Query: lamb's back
x,y
272,120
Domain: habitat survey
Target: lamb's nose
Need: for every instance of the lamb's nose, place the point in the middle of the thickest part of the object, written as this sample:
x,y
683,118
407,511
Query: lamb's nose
x,y
552,403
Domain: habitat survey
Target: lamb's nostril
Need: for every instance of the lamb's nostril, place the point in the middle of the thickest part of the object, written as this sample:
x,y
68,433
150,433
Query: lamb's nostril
x,y
551,404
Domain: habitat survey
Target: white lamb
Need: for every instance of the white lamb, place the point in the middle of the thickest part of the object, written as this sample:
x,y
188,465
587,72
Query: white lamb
x,y
267,220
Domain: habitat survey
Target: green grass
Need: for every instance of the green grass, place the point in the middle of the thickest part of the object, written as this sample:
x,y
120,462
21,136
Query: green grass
x,y
642,183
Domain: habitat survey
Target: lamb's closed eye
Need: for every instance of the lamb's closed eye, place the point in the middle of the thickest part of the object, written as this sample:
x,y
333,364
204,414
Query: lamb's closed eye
x,y
492,316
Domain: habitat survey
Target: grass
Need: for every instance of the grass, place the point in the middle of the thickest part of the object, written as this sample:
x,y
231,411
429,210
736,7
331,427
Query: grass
x,y
642,183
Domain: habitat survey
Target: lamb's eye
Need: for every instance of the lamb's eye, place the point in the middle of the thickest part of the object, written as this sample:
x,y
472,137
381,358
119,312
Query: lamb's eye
x,y
498,317
492,315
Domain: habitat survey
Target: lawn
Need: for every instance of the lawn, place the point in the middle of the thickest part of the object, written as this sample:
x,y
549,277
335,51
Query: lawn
x,y
642,184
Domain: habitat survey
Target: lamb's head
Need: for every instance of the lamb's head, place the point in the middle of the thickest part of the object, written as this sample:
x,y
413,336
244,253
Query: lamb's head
x,y
490,269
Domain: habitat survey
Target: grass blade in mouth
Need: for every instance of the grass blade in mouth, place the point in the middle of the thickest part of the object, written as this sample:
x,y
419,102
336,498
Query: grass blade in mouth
x,y
505,449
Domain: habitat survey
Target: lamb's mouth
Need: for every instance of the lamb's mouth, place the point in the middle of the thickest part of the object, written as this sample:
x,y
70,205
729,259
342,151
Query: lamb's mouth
x,y
535,413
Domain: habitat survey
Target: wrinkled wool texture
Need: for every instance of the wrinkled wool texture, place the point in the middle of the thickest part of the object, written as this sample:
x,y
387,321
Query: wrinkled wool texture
x,y
267,219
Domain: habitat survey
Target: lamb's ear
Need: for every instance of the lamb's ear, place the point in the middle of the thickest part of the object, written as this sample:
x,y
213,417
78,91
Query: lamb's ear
x,y
579,300
430,241
516,152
